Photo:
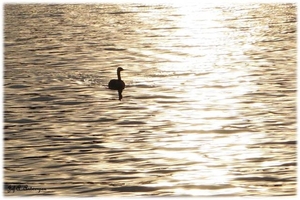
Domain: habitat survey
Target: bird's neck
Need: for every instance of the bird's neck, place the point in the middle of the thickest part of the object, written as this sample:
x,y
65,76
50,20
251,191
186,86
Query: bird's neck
x,y
119,75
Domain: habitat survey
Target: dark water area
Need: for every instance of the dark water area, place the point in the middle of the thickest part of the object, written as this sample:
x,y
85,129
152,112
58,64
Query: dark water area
x,y
209,107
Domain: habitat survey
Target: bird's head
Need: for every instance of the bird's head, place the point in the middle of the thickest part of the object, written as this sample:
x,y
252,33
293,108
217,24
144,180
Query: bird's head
x,y
120,69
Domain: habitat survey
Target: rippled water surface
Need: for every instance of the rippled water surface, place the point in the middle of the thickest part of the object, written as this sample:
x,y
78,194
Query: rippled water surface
x,y
209,106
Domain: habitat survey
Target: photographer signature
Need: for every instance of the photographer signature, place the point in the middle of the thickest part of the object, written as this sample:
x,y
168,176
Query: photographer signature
x,y
11,188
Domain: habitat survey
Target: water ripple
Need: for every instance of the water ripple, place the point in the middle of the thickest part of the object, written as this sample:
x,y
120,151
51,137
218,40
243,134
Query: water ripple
x,y
207,111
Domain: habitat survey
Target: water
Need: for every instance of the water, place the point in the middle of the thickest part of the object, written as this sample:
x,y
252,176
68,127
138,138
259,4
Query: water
x,y
209,108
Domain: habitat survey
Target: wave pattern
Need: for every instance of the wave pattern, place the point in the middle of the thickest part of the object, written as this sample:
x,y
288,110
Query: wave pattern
x,y
209,108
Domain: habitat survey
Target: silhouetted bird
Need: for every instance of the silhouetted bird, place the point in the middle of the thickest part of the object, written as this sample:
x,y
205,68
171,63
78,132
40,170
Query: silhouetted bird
x,y
117,84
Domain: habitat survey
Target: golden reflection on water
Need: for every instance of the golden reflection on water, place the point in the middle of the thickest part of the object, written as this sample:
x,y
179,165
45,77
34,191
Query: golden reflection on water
x,y
182,125
206,169
209,168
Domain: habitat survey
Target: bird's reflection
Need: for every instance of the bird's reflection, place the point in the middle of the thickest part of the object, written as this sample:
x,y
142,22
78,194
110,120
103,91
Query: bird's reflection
x,y
120,94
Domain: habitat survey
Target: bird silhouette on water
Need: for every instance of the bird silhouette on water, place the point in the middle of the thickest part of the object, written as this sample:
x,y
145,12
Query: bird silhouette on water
x,y
117,84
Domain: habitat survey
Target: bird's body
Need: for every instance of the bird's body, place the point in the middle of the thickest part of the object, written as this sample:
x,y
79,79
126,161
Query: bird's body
x,y
117,84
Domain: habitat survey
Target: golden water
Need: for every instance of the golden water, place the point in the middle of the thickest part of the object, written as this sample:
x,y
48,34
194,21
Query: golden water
x,y
209,108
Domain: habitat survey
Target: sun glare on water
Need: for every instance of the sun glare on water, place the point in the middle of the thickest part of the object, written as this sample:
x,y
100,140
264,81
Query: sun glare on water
x,y
212,83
